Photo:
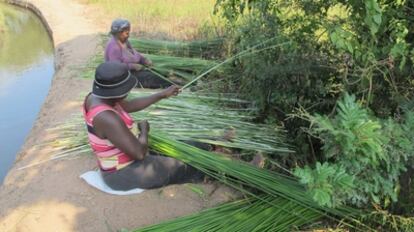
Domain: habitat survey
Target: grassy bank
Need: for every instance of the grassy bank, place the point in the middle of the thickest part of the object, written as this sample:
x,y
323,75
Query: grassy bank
x,y
167,19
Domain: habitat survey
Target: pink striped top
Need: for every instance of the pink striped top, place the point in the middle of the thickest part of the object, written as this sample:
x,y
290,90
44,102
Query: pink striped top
x,y
109,157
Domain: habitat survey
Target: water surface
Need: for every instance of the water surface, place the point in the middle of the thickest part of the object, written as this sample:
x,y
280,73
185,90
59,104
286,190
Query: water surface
x,y
26,70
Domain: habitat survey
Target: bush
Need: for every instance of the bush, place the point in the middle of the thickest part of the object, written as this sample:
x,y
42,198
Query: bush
x,y
373,151
324,181
335,46
362,47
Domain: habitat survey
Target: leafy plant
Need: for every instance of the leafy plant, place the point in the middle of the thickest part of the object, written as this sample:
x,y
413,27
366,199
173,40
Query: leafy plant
x,y
374,151
324,181
354,131
336,46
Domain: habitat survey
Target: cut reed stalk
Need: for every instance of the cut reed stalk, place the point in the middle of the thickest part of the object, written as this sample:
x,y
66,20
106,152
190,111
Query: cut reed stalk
x,y
197,48
237,172
242,215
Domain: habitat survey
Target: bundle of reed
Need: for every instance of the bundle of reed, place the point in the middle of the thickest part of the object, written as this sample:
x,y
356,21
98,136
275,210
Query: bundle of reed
x,y
182,67
284,204
213,119
251,214
250,179
197,48
169,66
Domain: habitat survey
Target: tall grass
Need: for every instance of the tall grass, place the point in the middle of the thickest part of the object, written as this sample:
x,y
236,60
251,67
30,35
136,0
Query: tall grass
x,y
177,19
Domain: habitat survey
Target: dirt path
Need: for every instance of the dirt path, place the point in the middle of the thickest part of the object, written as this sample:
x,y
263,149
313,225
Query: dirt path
x,y
52,197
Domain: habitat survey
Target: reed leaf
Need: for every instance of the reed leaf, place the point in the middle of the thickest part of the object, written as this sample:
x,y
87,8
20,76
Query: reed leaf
x,y
169,66
237,173
189,117
207,118
182,67
198,48
243,215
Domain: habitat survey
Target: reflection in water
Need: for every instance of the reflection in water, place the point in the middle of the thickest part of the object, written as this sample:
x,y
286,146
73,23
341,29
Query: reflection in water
x,y
26,69
23,40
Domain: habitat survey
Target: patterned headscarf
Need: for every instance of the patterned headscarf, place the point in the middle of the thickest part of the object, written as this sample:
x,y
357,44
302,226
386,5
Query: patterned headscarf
x,y
119,25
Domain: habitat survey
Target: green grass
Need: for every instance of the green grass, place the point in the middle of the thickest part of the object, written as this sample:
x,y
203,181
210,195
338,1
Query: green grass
x,y
178,19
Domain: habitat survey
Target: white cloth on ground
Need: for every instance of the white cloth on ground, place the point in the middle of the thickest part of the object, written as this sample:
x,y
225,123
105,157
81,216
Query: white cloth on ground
x,y
94,179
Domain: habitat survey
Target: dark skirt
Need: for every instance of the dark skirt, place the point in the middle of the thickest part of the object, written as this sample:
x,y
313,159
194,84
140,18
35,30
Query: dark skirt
x,y
147,79
153,171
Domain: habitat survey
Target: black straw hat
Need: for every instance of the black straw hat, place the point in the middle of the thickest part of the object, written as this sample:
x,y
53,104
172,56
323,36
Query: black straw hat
x,y
113,80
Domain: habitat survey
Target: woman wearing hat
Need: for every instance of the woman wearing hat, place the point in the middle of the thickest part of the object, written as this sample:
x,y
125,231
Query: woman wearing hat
x,y
119,49
122,156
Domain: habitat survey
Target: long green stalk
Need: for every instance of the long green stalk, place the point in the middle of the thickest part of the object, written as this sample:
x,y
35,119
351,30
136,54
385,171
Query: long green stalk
x,y
164,66
266,181
198,48
248,51
186,68
242,215
182,67
160,75
190,117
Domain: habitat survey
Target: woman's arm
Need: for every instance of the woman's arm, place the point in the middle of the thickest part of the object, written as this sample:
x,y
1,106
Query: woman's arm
x,y
141,103
113,52
111,126
141,59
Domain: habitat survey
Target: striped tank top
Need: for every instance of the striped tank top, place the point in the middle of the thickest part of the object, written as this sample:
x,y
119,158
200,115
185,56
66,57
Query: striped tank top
x,y
108,156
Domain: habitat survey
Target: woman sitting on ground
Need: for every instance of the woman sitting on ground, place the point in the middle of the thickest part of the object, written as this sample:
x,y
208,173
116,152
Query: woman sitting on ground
x,y
123,157
119,49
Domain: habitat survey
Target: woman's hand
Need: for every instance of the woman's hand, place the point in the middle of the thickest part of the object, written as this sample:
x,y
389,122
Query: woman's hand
x,y
141,103
173,90
143,126
148,62
138,67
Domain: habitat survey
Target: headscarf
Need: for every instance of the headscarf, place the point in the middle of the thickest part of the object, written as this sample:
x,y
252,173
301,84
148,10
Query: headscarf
x,y
119,25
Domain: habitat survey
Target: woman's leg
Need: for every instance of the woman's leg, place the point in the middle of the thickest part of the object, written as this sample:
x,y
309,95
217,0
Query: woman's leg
x,y
149,80
152,172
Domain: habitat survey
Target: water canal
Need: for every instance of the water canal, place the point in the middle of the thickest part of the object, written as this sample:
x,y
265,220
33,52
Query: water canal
x,y
26,70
